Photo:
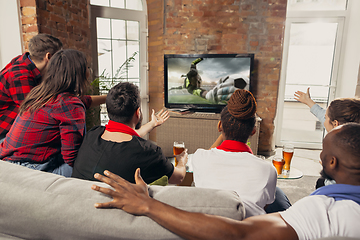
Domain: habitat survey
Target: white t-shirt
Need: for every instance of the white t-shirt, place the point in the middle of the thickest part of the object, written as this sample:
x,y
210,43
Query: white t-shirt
x,y
252,178
320,216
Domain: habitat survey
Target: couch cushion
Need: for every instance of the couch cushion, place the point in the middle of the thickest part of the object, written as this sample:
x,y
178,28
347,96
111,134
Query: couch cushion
x,y
40,205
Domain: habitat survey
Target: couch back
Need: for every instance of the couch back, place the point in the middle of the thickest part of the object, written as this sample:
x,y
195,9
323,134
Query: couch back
x,y
40,205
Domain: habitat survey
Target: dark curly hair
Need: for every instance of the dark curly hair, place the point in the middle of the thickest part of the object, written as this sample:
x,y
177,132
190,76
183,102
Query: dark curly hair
x,y
238,117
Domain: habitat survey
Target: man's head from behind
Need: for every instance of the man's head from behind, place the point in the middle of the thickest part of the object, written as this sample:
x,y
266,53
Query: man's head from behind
x,y
238,117
122,101
42,44
341,153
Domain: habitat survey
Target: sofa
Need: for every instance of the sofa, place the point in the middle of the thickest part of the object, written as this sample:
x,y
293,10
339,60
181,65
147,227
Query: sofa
x,y
40,205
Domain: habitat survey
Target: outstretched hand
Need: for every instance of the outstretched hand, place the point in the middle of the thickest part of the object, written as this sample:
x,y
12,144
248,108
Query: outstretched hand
x,y
304,97
129,197
160,117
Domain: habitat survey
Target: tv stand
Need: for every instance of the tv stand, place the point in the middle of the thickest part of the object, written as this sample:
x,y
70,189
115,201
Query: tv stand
x,y
197,130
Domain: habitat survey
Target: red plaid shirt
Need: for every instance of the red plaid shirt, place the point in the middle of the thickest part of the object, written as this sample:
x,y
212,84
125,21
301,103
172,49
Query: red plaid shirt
x,y
16,81
56,128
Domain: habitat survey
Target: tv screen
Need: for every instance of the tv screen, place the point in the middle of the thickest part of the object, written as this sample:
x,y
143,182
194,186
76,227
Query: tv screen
x,y
204,82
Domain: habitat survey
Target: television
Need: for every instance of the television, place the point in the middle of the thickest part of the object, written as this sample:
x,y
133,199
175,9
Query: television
x,y
204,82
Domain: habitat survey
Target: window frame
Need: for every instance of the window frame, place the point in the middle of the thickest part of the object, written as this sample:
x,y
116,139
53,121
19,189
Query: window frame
x,y
130,15
308,17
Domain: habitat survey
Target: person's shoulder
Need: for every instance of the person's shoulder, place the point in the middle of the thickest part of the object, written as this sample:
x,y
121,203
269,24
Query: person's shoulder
x,y
93,134
17,64
147,145
96,129
319,201
144,141
65,102
67,98
21,63
201,152
20,59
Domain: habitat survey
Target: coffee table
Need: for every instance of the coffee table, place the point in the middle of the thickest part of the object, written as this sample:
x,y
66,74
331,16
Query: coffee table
x,y
294,173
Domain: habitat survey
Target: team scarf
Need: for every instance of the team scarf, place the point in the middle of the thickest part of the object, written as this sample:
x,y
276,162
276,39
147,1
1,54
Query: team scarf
x,y
340,192
234,146
120,127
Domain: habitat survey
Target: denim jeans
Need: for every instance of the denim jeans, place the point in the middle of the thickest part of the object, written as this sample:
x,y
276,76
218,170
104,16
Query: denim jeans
x,y
54,165
281,202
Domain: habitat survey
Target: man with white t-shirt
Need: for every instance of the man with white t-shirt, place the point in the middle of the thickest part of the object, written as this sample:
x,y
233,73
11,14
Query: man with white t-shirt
x,y
332,210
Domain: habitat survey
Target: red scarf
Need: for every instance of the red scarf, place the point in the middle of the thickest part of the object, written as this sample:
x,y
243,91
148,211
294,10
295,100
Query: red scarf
x,y
234,146
120,127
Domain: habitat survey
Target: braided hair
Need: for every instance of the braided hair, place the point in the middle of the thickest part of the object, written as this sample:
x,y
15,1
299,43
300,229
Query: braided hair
x,y
238,117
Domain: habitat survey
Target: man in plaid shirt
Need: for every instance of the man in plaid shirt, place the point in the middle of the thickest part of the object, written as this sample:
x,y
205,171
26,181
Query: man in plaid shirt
x,y
21,75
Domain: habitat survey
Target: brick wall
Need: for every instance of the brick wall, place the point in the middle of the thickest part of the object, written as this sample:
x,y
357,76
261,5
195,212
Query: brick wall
x,y
67,20
227,26
28,20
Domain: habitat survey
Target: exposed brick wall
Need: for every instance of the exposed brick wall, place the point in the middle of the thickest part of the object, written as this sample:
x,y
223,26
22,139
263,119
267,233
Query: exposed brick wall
x,y
67,20
227,26
28,20
156,56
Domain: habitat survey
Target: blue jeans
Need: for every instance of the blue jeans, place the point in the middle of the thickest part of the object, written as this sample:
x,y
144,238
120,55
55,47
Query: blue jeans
x,y
54,165
281,202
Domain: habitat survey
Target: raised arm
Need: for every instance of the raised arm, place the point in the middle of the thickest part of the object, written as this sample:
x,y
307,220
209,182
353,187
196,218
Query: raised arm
x,y
156,120
180,170
315,109
97,100
134,199
217,142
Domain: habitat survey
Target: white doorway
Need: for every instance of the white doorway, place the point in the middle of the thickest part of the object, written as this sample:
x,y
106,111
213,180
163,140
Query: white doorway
x,y
311,58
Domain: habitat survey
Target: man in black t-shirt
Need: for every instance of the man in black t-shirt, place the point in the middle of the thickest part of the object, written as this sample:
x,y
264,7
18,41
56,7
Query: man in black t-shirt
x,y
117,147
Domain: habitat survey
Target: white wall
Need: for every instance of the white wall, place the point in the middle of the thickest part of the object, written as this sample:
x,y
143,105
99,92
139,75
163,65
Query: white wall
x,y
10,32
350,58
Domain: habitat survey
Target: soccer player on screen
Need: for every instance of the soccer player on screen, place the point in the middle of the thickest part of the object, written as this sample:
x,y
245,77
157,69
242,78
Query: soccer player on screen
x,y
221,92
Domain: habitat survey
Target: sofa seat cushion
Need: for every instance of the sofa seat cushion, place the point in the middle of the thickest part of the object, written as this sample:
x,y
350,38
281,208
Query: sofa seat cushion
x,y
40,205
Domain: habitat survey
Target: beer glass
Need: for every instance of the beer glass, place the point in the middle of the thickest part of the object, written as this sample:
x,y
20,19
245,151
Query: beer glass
x,y
288,152
278,163
178,148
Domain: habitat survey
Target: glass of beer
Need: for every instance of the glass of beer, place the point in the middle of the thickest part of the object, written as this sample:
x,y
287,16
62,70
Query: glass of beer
x,y
288,152
178,148
278,163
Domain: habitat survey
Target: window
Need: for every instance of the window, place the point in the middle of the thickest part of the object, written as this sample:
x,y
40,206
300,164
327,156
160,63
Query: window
x,y
126,4
316,5
312,44
119,30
